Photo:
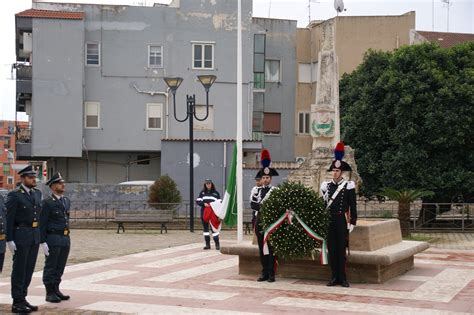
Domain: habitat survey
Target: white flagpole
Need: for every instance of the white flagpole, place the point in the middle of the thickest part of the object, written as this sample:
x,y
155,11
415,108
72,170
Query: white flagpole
x,y
239,181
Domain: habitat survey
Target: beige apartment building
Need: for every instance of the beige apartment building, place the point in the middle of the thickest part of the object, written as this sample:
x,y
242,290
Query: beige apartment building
x,y
353,36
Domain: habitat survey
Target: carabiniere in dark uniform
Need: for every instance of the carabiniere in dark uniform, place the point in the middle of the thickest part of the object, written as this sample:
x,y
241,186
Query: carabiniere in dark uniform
x,y
340,197
55,232
23,238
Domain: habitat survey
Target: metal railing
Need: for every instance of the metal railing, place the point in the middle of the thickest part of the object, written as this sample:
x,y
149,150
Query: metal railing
x,y
424,216
23,71
23,135
104,211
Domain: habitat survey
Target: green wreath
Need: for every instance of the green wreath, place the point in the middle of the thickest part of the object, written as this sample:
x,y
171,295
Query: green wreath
x,y
314,127
291,240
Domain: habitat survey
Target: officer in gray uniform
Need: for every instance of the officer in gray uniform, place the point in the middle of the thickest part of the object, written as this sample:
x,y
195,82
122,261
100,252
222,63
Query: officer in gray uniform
x,y
23,207
55,234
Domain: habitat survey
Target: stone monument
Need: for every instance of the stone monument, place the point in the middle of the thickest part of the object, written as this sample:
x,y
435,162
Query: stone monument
x,y
325,119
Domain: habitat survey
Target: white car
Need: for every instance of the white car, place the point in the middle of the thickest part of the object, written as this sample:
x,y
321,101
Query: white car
x,y
138,182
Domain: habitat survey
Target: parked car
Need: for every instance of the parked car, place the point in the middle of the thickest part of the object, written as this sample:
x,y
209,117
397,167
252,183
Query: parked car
x,y
138,182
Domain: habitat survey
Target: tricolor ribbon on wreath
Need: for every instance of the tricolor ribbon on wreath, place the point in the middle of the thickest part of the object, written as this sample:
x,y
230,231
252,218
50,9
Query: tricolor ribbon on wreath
x,y
289,215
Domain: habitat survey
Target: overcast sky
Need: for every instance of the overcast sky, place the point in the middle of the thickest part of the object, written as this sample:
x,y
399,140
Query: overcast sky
x,y
461,19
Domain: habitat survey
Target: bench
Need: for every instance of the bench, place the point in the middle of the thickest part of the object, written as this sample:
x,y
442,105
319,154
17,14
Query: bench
x,y
143,216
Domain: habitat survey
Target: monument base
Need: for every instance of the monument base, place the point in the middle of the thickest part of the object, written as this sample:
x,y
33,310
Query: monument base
x,y
377,262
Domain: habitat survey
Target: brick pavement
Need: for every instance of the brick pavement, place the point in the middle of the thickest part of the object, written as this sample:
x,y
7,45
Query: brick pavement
x,y
136,272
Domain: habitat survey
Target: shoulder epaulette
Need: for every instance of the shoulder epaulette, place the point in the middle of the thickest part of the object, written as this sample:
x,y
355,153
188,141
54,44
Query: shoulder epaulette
x,y
350,185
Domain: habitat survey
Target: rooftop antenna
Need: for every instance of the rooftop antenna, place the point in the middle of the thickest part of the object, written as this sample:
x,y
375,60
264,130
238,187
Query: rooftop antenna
x,y
448,4
432,15
339,6
309,9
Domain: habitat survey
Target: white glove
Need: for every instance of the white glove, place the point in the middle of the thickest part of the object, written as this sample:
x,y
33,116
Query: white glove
x,y
45,248
350,227
11,246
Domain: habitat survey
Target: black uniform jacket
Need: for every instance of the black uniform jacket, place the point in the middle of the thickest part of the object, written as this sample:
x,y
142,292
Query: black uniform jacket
x,y
55,221
23,213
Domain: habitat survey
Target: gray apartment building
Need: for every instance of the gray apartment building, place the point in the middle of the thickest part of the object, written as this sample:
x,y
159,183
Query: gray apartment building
x,y
90,78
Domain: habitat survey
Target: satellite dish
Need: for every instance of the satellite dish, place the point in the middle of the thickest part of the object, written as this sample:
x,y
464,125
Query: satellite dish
x,y
339,6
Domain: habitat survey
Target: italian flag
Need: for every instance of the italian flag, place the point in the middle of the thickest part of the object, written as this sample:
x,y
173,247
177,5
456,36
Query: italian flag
x,y
226,209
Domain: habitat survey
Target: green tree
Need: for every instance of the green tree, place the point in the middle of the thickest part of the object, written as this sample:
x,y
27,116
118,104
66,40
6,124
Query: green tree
x,y
164,193
404,199
409,115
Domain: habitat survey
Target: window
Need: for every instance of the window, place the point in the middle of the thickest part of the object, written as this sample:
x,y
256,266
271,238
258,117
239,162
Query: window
x,y
203,56
92,115
303,122
6,169
207,124
154,113
304,73
7,143
259,61
10,180
155,56
258,81
143,160
272,70
271,123
315,71
92,54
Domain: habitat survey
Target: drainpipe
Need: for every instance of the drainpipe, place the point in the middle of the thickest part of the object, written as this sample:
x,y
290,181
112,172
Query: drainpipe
x,y
167,113
224,168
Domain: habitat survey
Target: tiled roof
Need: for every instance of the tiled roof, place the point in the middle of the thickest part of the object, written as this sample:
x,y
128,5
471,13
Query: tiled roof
x,y
446,40
48,14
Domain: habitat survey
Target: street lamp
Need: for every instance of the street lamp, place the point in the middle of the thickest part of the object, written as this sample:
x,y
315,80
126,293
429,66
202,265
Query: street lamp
x,y
173,83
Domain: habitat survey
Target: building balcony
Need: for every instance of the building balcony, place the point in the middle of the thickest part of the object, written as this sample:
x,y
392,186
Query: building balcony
x,y
23,135
23,143
257,136
23,71
23,77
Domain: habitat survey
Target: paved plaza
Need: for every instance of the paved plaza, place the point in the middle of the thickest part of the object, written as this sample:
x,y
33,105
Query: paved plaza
x,y
137,272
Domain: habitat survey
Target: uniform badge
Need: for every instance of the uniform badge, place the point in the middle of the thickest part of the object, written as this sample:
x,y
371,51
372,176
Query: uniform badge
x,y
266,171
337,164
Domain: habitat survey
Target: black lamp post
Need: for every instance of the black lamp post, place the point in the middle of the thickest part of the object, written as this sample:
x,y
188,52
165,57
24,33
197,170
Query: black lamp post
x,y
173,84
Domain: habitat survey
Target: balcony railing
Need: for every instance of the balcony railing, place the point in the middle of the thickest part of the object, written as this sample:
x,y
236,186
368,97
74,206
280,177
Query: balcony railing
x,y
23,135
257,136
23,71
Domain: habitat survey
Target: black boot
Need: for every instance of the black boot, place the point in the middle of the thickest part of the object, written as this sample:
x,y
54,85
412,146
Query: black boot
x,y
271,277
345,284
216,240
19,307
333,282
263,277
207,238
60,294
33,308
51,294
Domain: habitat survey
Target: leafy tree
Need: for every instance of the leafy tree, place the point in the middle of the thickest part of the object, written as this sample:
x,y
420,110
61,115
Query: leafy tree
x,y
164,193
409,115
